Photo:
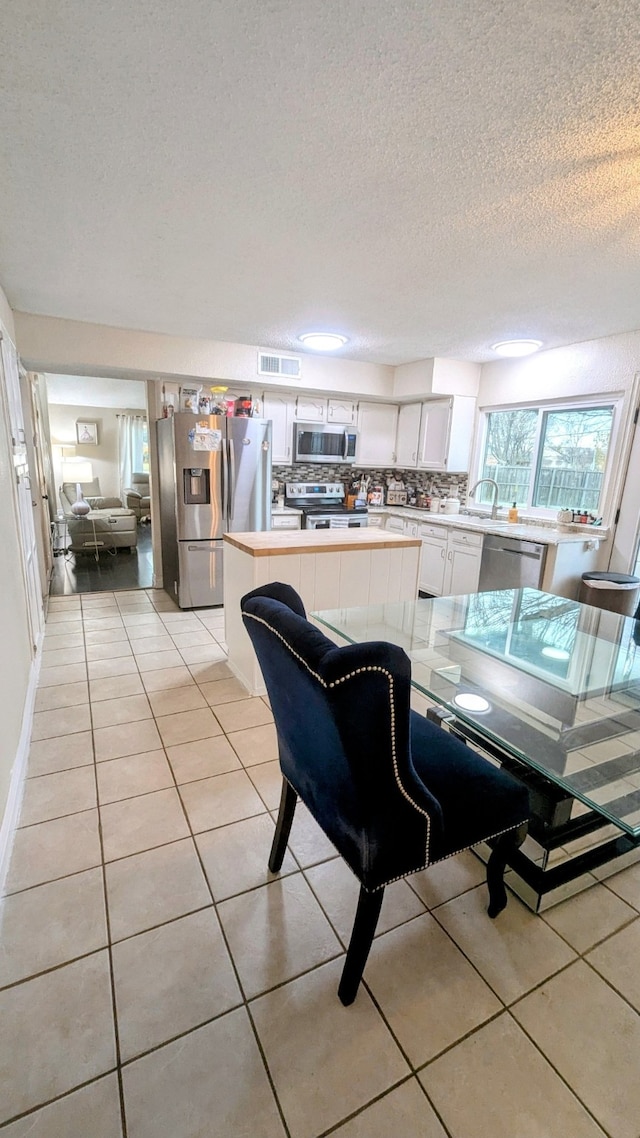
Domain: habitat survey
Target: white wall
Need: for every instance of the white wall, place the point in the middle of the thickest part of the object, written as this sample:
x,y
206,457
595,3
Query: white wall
x,y
103,457
50,344
15,647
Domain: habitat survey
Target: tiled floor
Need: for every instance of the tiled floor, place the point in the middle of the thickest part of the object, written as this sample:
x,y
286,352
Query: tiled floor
x,y
155,982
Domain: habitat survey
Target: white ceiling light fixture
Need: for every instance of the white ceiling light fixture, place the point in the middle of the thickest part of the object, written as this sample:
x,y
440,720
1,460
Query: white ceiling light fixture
x,y
516,347
323,341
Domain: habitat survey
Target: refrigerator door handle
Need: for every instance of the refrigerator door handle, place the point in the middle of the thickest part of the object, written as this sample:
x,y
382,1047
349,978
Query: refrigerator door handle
x,y
223,482
231,490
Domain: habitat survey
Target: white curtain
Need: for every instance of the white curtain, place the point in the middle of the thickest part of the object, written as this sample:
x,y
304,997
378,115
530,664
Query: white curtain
x,y
130,440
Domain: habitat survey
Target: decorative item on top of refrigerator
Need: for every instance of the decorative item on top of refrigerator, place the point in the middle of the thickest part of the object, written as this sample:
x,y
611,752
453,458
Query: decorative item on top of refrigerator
x,y
214,478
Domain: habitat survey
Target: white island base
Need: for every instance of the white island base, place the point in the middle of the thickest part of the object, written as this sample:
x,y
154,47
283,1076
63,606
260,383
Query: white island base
x,y
328,568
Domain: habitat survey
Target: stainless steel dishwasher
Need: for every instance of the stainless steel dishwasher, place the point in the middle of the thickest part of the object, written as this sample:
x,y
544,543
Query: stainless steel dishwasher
x,y
510,563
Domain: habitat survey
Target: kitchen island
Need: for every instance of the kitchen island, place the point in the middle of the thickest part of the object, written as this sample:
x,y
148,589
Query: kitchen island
x,y
328,568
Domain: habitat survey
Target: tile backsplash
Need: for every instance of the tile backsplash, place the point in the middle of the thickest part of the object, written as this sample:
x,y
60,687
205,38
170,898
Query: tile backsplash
x,y
443,485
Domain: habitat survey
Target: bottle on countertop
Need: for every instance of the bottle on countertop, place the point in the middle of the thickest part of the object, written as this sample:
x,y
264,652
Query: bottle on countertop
x,y
512,516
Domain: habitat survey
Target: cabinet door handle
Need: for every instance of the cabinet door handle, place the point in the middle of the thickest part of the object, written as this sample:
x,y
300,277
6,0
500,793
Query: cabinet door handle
x,y
442,552
449,555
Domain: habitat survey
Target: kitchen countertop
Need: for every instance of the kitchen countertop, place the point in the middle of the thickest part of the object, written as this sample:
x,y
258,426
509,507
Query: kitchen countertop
x,y
280,510
543,535
270,543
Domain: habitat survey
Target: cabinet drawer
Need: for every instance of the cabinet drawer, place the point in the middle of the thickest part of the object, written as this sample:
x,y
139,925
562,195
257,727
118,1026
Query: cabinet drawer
x,y
466,537
433,531
281,521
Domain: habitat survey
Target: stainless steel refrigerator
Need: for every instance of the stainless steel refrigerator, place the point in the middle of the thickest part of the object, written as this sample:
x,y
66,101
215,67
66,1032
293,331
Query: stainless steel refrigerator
x,y
215,478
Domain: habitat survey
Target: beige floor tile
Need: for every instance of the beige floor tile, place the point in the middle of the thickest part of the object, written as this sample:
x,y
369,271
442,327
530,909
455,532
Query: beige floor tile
x,y
191,639
305,1030
151,888
592,1038
307,842
217,801
55,795
64,617
244,714
147,631
97,623
133,775
256,744
121,666
51,657
63,674
98,600
188,726
141,823
124,709
147,644
202,759
54,849
108,651
176,699
267,779
94,1110
223,691
404,1111
51,924
116,687
276,932
203,673
61,1033
428,992
203,654
514,952
156,661
236,857
166,678
126,739
62,753
106,636
170,980
478,1087
218,1071
55,638
627,885
448,879
337,889
181,621
589,917
62,721
617,960
48,699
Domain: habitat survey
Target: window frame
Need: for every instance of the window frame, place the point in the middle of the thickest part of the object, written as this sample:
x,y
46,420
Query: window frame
x,y
615,400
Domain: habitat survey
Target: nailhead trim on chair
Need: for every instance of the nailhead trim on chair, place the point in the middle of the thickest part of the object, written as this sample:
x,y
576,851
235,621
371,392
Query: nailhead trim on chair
x,y
341,680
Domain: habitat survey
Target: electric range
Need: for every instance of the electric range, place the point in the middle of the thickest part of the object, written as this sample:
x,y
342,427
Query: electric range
x,y
323,505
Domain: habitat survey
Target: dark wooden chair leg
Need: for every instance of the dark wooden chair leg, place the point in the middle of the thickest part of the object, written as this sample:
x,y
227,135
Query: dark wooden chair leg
x,y
288,799
362,935
503,848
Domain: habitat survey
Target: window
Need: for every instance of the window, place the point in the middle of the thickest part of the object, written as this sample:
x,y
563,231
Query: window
x,y
547,457
145,448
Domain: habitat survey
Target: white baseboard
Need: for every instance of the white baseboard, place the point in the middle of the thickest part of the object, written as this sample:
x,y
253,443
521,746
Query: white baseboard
x,y
16,785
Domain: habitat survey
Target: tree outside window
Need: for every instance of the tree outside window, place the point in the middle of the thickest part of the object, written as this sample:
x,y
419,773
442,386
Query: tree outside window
x,y
546,457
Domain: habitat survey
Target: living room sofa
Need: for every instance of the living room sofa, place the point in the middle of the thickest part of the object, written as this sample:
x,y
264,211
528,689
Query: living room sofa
x,y
108,525
138,496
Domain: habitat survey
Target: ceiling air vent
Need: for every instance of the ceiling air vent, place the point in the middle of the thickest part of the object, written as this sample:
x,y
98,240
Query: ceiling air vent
x,y
271,364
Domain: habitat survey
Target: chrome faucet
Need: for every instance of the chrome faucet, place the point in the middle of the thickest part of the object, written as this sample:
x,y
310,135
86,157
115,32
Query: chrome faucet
x,y
492,481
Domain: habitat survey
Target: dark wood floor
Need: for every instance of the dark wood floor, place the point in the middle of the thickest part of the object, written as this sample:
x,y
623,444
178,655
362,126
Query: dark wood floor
x,y
81,573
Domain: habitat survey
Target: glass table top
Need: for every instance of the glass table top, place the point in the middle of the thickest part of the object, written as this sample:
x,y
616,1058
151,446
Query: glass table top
x,y
554,683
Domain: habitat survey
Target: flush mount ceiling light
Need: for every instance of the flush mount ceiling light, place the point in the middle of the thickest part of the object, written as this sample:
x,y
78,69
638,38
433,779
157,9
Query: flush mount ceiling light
x,y
323,341
470,702
516,347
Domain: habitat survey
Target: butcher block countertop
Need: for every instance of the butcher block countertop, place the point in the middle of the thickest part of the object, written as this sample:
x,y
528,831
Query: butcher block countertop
x,y
276,543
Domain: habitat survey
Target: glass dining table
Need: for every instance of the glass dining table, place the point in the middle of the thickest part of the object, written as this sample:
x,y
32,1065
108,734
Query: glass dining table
x,y
550,689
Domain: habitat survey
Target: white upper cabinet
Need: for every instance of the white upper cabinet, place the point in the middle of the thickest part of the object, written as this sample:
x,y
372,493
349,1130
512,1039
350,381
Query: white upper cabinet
x,y
408,436
341,411
377,424
281,410
311,409
445,433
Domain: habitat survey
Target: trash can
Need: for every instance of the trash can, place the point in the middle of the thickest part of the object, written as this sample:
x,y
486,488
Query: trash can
x,y
617,592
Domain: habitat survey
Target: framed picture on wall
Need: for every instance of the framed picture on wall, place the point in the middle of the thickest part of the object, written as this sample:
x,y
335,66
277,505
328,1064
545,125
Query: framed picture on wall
x,y
87,433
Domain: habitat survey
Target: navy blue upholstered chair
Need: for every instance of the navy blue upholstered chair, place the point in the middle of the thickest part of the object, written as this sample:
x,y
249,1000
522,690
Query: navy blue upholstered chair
x,y
392,791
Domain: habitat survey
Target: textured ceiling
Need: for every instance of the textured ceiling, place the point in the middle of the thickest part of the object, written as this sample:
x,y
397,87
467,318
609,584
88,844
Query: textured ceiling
x,y
427,176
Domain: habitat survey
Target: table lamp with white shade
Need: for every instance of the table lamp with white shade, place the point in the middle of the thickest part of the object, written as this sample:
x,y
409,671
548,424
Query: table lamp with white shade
x,y
78,470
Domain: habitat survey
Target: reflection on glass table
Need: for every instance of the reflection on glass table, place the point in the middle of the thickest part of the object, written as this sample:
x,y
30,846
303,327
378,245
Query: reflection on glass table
x,y
546,681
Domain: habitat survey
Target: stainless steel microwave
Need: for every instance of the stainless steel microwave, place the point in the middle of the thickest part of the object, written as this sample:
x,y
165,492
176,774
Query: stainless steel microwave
x,y
323,442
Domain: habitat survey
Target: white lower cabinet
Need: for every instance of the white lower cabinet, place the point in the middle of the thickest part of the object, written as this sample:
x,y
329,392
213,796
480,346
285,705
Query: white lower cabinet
x,y
285,521
450,561
394,523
